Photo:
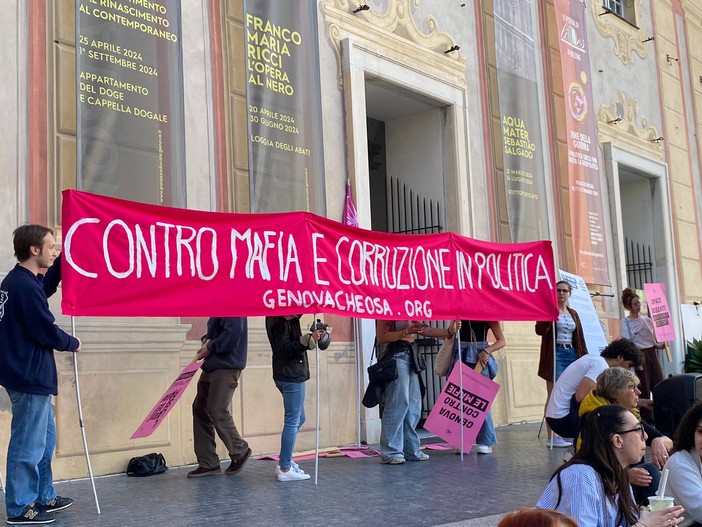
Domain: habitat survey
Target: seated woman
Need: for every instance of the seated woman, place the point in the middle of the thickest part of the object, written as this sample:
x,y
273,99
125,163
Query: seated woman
x,y
685,466
593,487
536,518
620,386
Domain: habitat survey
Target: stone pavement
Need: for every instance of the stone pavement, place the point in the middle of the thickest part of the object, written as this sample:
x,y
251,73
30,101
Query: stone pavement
x,y
364,492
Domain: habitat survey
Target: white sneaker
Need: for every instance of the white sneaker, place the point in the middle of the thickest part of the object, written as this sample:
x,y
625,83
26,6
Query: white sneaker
x,y
481,449
293,465
291,475
559,442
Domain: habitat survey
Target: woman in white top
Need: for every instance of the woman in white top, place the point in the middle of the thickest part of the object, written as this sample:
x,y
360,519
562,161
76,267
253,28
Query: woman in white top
x,y
593,487
639,328
685,466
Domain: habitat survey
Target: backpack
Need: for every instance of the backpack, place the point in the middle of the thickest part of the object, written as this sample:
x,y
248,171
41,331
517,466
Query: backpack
x,y
147,465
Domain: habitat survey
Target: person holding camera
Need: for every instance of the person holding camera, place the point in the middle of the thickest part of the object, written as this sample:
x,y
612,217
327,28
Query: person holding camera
x,y
291,371
399,441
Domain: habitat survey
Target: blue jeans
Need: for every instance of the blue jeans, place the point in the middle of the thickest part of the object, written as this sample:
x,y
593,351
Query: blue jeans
x,y
403,408
564,358
294,406
32,443
486,434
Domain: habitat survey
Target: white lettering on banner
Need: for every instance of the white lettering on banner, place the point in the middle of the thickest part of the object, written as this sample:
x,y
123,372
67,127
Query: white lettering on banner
x,y
67,241
258,253
317,259
106,252
273,299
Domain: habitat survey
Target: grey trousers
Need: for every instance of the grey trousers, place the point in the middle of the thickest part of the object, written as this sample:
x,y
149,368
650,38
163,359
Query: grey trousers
x,y
211,414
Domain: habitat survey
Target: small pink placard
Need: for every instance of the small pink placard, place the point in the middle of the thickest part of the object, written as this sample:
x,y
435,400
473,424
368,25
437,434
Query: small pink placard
x,y
659,312
456,408
166,403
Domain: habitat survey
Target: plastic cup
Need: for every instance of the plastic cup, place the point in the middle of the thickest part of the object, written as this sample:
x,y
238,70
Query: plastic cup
x,y
659,503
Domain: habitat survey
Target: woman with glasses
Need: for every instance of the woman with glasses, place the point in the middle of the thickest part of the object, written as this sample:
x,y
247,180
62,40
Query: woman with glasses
x,y
685,466
639,328
593,487
569,346
620,386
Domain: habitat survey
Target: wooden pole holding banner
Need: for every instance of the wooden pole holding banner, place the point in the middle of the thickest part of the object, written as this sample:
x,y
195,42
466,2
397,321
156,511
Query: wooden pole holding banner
x,y
80,419
668,355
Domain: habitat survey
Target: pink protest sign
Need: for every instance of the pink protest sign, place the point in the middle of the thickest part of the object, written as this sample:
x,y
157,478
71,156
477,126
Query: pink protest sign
x,y
455,407
659,312
169,399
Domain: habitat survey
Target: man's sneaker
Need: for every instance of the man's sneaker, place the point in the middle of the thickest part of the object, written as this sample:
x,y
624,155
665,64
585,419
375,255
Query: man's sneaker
x,y
421,457
57,504
291,475
559,442
236,465
200,472
31,515
481,449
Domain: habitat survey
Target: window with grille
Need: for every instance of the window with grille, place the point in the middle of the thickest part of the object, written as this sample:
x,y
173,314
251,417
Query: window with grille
x,y
616,6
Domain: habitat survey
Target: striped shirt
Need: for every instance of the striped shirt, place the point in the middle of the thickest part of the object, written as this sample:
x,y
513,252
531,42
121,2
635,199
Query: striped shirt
x,y
582,498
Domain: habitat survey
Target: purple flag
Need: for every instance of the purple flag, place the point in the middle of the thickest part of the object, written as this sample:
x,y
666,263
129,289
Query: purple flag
x,y
350,215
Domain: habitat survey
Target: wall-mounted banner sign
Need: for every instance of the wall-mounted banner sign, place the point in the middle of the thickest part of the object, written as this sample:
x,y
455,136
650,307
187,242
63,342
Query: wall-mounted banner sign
x,y
122,258
522,151
283,96
129,76
585,196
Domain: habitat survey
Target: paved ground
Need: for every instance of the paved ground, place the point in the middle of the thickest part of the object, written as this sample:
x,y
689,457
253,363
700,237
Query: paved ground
x,y
350,492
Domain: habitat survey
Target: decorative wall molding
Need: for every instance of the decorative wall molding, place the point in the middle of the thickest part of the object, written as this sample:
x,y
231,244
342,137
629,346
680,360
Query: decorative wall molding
x,y
394,31
627,38
628,130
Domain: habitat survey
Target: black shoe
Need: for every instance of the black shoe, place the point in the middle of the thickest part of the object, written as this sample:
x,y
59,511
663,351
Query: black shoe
x,y
57,504
31,515
200,472
236,465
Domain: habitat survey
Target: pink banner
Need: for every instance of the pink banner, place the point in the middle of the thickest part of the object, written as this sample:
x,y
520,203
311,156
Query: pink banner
x,y
659,312
122,258
166,403
455,408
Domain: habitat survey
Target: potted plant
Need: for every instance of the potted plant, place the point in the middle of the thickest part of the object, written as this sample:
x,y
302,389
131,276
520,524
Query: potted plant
x,y
693,356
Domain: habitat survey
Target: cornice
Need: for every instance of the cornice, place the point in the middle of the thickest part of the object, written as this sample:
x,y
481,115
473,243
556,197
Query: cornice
x,y
627,39
394,31
627,130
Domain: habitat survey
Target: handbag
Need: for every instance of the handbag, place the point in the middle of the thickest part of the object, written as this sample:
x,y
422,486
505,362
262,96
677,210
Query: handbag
x,y
418,361
442,364
383,371
146,465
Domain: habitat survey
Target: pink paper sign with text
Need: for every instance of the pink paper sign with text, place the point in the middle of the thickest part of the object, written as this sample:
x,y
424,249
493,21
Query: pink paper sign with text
x,y
166,403
659,312
467,408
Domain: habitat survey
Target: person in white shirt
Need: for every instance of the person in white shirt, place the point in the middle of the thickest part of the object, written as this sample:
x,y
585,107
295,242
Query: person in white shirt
x,y
685,466
579,379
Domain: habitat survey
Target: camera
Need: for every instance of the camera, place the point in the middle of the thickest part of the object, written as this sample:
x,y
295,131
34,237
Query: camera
x,y
325,339
319,325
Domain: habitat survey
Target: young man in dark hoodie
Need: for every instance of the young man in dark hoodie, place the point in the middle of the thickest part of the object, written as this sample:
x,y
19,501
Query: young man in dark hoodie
x,y
224,348
28,337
